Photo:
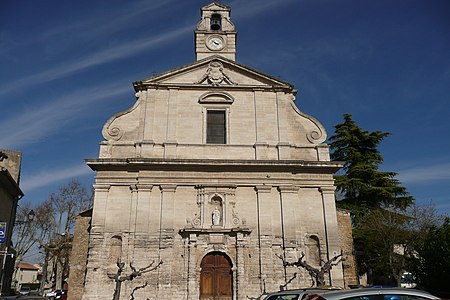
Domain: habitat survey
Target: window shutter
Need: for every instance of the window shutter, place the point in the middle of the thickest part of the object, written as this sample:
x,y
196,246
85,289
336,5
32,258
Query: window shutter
x,y
215,127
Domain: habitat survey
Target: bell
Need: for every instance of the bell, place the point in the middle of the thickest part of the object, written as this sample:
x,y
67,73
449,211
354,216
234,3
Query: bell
x,y
216,23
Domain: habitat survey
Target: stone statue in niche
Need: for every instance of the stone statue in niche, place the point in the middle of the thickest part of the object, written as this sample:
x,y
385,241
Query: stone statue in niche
x,y
216,216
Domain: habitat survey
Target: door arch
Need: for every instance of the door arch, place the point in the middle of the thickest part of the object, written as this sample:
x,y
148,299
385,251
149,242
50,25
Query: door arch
x,y
216,277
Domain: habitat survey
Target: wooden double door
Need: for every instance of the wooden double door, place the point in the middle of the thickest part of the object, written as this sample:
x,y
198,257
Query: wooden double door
x,y
216,277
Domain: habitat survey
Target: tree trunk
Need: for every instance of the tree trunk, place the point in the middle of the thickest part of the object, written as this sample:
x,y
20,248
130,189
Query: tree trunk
x,y
117,290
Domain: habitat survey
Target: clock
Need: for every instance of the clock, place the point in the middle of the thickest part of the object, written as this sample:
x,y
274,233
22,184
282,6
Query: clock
x,y
215,43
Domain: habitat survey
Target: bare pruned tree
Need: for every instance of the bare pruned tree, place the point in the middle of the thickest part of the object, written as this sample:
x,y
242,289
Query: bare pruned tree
x,y
137,288
119,278
52,225
317,273
70,200
283,286
67,203
30,233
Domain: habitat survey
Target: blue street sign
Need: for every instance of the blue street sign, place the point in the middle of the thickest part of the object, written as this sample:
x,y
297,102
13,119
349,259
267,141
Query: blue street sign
x,y
2,232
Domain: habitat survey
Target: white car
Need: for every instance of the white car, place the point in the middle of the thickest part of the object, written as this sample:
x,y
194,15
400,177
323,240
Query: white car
x,y
51,294
25,290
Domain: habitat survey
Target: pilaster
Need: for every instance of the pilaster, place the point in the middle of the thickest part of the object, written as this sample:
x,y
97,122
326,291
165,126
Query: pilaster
x,y
100,206
289,198
239,292
149,114
167,207
265,206
331,232
133,208
172,112
192,276
144,205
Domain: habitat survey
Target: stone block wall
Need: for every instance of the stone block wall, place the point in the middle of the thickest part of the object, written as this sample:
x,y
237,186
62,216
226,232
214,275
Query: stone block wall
x,y
78,257
346,238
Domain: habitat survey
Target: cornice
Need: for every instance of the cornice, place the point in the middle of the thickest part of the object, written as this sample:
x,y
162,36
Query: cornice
x,y
153,164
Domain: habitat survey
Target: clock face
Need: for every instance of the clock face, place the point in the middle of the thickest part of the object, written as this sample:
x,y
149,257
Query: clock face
x,y
215,43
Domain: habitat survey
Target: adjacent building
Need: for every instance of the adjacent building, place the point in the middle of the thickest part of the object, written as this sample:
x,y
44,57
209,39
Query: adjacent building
x,y
27,274
10,194
215,172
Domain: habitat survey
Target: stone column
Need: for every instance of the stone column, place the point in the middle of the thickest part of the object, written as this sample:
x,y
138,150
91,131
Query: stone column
x,y
331,233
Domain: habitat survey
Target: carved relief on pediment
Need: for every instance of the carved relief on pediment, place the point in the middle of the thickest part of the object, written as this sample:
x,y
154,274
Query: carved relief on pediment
x,y
215,75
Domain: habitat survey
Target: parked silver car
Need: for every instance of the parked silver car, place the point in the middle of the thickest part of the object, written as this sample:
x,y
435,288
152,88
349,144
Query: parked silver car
x,y
374,294
297,294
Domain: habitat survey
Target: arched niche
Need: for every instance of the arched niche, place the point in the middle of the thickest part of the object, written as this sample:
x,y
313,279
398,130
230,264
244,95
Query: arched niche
x,y
115,250
217,210
313,254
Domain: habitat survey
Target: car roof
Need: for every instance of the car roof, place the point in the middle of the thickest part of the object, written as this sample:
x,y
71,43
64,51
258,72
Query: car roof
x,y
312,290
374,291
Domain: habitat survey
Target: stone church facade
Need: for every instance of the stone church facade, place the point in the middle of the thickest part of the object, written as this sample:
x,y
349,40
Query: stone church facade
x,y
215,172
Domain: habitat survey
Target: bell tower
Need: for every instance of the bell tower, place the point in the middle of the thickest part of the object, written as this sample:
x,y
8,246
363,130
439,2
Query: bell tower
x,y
215,33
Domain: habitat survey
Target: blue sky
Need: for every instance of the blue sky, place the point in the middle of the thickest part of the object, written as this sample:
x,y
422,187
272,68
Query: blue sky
x,y
67,66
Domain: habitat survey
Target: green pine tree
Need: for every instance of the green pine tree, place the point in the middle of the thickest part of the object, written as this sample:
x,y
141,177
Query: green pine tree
x,y
361,185
375,198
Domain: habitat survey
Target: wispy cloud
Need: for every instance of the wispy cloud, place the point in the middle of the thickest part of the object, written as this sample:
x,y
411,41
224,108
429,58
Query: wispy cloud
x,y
92,28
43,120
425,174
98,27
96,58
124,50
47,177
253,8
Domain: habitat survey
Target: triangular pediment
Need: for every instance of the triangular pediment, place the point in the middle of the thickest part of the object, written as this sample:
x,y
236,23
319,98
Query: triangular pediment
x,y
215,6
213,71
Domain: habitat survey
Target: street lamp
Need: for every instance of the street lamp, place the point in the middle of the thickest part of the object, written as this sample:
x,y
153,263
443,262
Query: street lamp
x,y
31,215
29,219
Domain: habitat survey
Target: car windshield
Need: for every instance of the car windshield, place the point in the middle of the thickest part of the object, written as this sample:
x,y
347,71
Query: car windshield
x,y
283,297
